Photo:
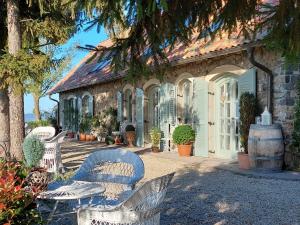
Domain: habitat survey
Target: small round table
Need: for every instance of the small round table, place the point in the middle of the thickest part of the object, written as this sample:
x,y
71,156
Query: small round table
x,y
76,190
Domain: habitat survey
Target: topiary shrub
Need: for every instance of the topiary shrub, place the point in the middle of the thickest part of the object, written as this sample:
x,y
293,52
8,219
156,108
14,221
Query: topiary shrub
x,y
33,150
155,135
248,110
183,134
109,140
129,128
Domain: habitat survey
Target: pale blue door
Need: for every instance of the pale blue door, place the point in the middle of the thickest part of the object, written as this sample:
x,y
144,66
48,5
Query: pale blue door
x,y
139,117
200,116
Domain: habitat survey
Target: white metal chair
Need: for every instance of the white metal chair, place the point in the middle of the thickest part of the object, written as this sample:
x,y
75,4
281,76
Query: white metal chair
x,y
140,208
52,155
43,133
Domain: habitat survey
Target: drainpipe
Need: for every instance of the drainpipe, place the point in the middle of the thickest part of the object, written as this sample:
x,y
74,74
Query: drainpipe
x,y
58,119
250,51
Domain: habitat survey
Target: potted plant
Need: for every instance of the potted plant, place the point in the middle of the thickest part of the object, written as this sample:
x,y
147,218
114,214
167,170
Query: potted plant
x,y
130,135
33,149
183,136
155,135
248,108
85,128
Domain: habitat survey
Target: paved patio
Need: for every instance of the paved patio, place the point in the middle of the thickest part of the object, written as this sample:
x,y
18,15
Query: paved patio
x,y
209,191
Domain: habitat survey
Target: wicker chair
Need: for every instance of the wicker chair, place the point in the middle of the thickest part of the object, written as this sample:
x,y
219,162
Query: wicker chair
x,y
44,133
118,170
140,208
52,156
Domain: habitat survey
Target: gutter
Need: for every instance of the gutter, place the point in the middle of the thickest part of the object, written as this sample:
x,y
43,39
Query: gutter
x,y
58,119
250,51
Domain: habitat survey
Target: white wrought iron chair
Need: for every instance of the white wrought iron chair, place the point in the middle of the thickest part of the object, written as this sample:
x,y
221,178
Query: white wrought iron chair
x,y
52,155
43,133
140,208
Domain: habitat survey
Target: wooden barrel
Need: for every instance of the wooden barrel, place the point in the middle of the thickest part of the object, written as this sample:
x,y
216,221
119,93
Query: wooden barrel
x,y
266,147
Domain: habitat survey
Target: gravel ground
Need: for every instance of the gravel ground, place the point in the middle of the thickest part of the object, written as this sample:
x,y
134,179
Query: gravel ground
x,y
200,196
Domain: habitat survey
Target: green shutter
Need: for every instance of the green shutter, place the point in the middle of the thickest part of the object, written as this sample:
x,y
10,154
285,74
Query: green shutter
x,y
247,82
139,117
172,104
120,106
164,116
200,116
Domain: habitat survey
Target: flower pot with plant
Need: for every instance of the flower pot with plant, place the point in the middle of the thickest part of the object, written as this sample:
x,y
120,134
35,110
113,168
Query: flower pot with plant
x,y
184,136
33,149
248,109
130,135
155,135
85,128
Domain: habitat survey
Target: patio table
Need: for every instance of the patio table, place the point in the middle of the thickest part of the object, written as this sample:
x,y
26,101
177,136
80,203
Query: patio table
x,y
76,190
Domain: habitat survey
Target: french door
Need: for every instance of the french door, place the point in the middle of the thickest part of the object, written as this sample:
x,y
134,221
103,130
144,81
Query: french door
x,y
227,118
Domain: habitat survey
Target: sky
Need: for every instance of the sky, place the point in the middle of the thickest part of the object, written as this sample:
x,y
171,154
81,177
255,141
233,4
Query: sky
x,y
81,38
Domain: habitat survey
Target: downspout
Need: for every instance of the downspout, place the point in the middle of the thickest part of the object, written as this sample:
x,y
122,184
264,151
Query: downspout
x,y
250,51
58,119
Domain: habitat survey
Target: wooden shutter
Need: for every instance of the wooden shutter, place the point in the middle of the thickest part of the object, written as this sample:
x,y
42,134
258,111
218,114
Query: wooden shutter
x,y
120,106
139,117
247,82
79,100
200,116
65,114
172,104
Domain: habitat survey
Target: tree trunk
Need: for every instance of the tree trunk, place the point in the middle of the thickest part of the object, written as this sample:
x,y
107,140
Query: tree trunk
x,y
37,112
4,121
16,101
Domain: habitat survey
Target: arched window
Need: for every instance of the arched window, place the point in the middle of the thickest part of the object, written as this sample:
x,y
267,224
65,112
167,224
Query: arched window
x,y
87,105
128,105
185,101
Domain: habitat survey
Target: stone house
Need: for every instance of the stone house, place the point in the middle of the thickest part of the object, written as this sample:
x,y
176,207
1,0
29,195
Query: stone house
x,y
201,88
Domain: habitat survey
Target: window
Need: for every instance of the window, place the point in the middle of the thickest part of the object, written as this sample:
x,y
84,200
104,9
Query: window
x,y
87,105
128,105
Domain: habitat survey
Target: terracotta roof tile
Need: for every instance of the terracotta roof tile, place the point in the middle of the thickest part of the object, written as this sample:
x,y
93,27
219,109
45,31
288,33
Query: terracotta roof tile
x,y
84,73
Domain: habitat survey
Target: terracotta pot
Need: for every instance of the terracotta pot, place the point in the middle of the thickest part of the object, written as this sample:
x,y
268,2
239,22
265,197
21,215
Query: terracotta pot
x,y
82,137
130,136
185,150
93,138
71,135
118,140
155,149
244,162
89,137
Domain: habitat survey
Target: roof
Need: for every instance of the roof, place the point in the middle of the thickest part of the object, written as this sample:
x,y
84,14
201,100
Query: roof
x,y
91,73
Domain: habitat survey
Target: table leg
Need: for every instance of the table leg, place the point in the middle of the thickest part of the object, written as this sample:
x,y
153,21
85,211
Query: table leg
x,y
52,212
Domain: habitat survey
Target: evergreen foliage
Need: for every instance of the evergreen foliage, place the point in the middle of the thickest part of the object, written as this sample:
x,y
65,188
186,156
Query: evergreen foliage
x,y
143,31
248,110
33,150
296,131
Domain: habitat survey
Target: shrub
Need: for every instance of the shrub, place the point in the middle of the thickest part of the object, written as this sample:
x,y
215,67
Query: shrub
x,y
33,150
38,123
296,131
85,124
129,128
155,135
16,201
248,110
183,134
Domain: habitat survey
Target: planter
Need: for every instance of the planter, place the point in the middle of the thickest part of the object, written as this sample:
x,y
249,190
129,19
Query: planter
x,y
38,180
118,140
185,150
89,137
71,135
155,149
82,137
130,136
244,162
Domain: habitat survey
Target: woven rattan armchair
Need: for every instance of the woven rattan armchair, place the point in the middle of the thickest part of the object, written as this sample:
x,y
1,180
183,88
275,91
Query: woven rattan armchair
x,y
43,133
141,207
117,169
52,155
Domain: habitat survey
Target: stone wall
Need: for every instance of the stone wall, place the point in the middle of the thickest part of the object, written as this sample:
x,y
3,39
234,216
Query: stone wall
x,y
284,83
